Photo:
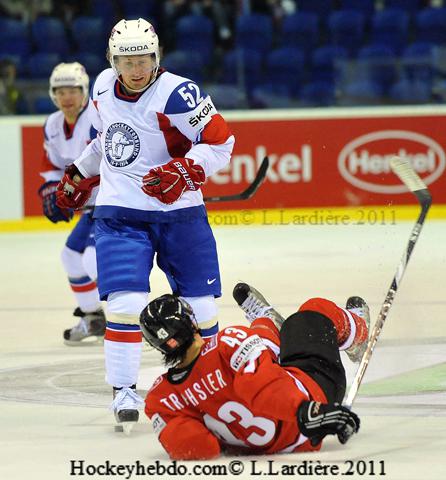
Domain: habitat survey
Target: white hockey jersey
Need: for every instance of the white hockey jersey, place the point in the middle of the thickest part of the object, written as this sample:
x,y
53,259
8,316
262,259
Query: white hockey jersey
x,y
172,118
64,143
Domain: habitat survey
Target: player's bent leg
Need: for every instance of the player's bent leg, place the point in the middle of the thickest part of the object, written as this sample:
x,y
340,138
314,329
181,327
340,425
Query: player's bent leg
x,y
309,341
91,326
123,348
255,305
205,310
352,323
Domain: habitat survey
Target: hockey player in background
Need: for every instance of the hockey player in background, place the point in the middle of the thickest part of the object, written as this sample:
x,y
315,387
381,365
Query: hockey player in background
x,y
273,387
67,132
159,138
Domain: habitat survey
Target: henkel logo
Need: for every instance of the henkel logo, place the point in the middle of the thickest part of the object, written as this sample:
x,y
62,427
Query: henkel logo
x,y
288,167
364,162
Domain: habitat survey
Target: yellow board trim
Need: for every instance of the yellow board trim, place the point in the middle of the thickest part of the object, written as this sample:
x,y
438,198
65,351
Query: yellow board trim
x,y
371,215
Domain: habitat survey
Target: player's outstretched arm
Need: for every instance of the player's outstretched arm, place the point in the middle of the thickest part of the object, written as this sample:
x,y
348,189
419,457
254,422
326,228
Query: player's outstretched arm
x,y
186,438
316,420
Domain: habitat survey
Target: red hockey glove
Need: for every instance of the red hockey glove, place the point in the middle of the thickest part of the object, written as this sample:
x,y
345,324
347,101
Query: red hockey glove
x,y
169,182
74,190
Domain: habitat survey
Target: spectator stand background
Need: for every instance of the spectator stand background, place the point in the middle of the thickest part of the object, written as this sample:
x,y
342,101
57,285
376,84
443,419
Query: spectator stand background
x,y
246,54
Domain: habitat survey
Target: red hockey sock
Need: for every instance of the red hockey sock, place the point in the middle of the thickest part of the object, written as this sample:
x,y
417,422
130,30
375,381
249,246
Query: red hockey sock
x,y
361,334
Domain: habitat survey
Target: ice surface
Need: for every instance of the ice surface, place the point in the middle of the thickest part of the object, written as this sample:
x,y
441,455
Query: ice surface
x,y
54,400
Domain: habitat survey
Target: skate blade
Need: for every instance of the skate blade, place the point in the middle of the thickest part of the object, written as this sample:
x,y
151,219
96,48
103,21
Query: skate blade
x,y
125,427
92,342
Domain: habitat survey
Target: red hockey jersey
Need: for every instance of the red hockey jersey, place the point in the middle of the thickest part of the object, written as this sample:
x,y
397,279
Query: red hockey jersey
x,y
235,395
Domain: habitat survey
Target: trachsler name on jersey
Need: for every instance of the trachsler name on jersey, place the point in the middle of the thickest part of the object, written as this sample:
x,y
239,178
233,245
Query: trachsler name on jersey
x,y
235,391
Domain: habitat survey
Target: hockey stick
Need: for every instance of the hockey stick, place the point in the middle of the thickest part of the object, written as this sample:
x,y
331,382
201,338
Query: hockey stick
x,y
245,195
414,183
249,192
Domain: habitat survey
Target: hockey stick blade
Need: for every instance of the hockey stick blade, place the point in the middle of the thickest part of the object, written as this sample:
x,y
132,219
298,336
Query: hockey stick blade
x,y
249,192
414,183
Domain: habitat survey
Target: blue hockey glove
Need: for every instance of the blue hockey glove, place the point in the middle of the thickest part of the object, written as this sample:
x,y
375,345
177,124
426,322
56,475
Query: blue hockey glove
x,y
51,211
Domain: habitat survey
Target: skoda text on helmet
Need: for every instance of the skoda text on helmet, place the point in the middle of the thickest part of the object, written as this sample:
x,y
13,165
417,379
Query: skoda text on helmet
x,y
168,324
69,75
134,37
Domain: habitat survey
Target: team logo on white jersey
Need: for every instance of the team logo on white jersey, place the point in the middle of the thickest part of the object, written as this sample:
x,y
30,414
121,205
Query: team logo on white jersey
x,y
122,145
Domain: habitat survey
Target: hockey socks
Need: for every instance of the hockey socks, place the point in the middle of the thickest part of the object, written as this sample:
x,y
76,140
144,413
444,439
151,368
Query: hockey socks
x,y
351,329
123,348
86,293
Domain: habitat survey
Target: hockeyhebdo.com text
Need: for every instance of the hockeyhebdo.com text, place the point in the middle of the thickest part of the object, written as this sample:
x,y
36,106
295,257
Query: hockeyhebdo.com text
x,y
232,469
368,216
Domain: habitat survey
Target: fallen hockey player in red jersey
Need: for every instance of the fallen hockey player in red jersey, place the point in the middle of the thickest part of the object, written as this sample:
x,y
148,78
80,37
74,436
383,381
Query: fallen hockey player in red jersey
x,y
273,387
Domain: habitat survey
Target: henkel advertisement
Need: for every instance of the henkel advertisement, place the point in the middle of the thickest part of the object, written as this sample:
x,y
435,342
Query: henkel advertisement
x,y
314,162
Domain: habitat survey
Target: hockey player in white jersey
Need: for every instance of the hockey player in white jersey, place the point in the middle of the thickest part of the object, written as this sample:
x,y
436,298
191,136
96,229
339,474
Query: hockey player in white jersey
x,y
160,136
67,132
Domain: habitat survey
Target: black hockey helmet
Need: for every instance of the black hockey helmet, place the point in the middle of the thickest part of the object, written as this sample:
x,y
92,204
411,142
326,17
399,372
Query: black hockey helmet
x,y
168,324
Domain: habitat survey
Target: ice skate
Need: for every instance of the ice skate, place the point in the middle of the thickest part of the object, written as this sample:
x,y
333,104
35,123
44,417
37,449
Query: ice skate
x,y
254,304
125,406
358,306
89,331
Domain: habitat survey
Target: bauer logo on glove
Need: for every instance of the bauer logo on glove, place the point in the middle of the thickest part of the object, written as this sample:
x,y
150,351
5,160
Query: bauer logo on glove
x,y
189,183
169,182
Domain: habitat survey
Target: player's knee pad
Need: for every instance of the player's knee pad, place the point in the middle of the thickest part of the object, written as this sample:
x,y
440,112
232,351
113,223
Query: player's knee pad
x,y
72,262
205,310
125,307
89,262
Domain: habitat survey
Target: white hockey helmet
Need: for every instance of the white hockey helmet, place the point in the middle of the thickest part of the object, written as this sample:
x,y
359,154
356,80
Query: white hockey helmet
x,y
69,75
134,37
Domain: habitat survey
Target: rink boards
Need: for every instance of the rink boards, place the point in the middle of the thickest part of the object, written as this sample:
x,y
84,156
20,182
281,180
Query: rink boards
x,y
319,158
